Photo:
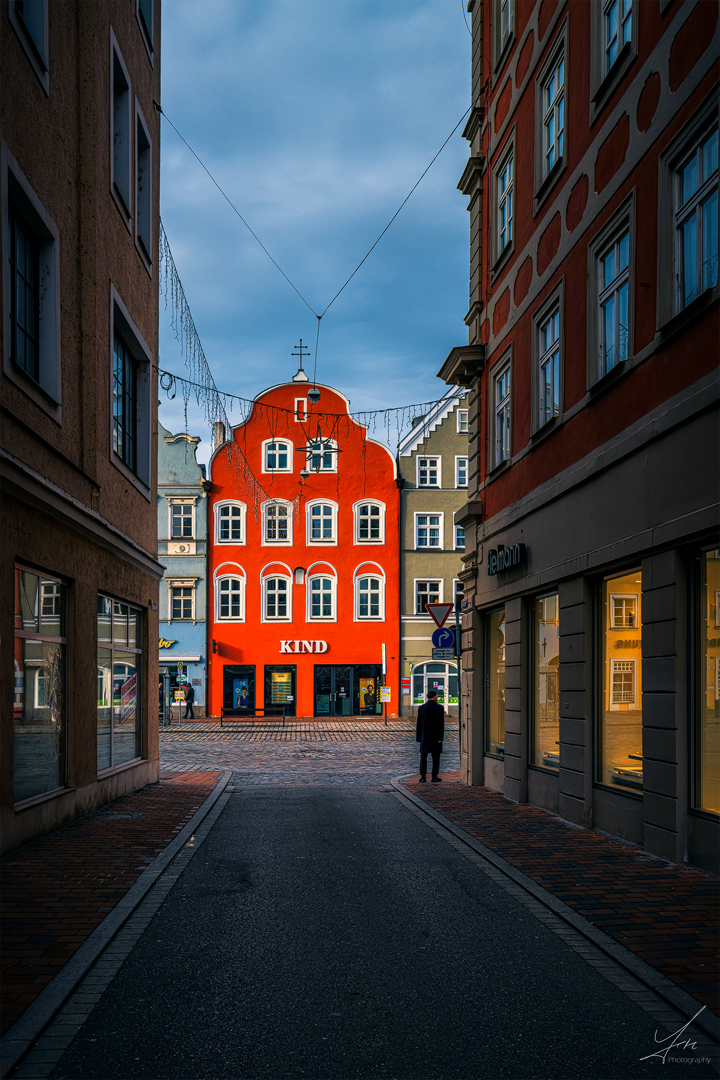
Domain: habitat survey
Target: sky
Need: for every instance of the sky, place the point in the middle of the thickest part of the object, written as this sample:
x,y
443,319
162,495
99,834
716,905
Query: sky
x,y
316,117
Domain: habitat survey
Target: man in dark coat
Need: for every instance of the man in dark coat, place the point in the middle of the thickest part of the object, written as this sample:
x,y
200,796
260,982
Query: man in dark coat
x,y
429,733
189,699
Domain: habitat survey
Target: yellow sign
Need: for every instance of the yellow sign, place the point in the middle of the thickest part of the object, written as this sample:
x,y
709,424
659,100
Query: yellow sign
x,y
280,687
165,643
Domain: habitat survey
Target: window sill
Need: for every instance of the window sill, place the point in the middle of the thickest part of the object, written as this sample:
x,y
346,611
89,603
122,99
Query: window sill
x,y
501,261
45,797
706,815
609,81
616,789
130,475
504,53
548,184
498,469
120,203
610,377
33,390
541,433
107,773
702,303
545,769
495,757
368,543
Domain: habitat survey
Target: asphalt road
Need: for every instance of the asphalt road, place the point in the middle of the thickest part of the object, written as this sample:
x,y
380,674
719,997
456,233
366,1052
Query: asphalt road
x,y
326,933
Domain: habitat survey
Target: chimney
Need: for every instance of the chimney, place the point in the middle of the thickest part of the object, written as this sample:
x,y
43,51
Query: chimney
x,y
218,434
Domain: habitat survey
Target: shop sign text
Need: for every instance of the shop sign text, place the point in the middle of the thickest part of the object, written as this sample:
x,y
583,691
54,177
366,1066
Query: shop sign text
x,y
304,646
505,558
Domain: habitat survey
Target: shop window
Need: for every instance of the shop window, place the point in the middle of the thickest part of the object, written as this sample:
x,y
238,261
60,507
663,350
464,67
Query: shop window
x,y
230,522
442,678
276,598
277,456
429,531
39,710
277,523
707,714
322,523
369,523
429,472
119,681
546,667
620,728
427,592
495,684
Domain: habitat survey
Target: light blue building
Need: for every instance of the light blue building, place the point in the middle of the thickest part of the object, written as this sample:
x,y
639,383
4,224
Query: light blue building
x,y
182,549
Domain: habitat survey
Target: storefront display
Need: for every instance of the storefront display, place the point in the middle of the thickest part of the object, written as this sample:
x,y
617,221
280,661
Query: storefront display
x,y
620,728
546,699
495,732
708,729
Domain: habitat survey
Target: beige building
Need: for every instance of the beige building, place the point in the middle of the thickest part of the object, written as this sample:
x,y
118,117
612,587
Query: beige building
x,y
79,174
433,470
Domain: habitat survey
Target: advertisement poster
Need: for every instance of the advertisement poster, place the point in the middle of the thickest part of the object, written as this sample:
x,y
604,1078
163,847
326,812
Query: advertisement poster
x,y
128,696
385,694
241,694
280,687
367,694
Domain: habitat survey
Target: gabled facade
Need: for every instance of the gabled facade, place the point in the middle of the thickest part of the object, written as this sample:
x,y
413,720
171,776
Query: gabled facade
x,y
304,567
433,467
182,549
79,177
592,564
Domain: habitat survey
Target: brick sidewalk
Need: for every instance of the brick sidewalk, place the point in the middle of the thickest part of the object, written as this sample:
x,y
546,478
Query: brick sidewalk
x,y
666,914
56,890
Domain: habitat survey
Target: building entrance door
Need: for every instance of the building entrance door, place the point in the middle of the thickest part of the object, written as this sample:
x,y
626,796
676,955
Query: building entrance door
x,y
333,690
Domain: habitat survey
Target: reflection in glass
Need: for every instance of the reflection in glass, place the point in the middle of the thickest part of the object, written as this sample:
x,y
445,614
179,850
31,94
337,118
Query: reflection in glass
x,y
120,621
546,666
104,623
28,586
708,733
104,708
126,728
495,734
119,715
620,734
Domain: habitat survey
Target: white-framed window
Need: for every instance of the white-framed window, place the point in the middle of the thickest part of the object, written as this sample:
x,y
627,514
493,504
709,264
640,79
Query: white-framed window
x,y
611,293
548,373
131,404
321,522
277,455
369,522
369,593
143,188
504,198
463,426
120,132
321,596
503,16
230,593
31,293
301,410
230,517
277,597
277,522
458,594
429,471
459,538
696,219
429,531
29,19
322,455
553,114
461,472
182,519
501,391
624,609
616,30
623,682
182,600
427,591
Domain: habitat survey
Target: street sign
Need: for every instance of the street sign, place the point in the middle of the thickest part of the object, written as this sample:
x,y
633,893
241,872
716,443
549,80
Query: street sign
x,y
384,660
443,654
439,613
385,694
444,638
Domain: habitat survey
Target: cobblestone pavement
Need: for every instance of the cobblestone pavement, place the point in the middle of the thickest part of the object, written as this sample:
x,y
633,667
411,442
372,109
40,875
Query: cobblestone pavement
x,y
664,913
303,754
57,889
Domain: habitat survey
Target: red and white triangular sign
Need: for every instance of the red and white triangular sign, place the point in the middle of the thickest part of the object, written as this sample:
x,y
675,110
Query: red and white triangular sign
x,y
439,613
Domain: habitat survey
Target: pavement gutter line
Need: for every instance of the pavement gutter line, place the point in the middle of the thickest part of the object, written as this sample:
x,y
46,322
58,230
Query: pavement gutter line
x,y
25,1031
659,983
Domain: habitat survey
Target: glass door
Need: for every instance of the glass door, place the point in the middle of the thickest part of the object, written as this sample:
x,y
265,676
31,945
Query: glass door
x,y
333,691
323,691
343,691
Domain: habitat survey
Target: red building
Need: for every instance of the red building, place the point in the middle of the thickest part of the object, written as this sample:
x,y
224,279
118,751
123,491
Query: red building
x,y
303,561
592,559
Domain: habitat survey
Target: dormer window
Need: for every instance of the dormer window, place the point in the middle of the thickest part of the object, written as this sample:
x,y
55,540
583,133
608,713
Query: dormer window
x,y
277,456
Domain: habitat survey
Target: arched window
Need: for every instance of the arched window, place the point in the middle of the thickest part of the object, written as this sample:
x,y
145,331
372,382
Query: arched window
x,y
322,455
442,678
369,593
230,522
369,522
322,593
230,593
322,522
277,598
277,522
277,456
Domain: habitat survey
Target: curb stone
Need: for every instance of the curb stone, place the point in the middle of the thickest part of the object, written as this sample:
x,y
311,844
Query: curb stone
x,y
683,1002
25,1031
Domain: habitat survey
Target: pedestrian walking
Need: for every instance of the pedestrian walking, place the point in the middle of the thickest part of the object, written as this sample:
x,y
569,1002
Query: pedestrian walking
x,y
429,733
189,698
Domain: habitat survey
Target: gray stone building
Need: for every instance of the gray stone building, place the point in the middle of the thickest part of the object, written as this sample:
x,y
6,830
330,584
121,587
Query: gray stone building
x,y
433,470
182,549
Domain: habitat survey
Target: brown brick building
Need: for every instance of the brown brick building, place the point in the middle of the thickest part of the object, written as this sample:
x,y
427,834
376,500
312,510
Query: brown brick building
x,y
592,566
79,293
